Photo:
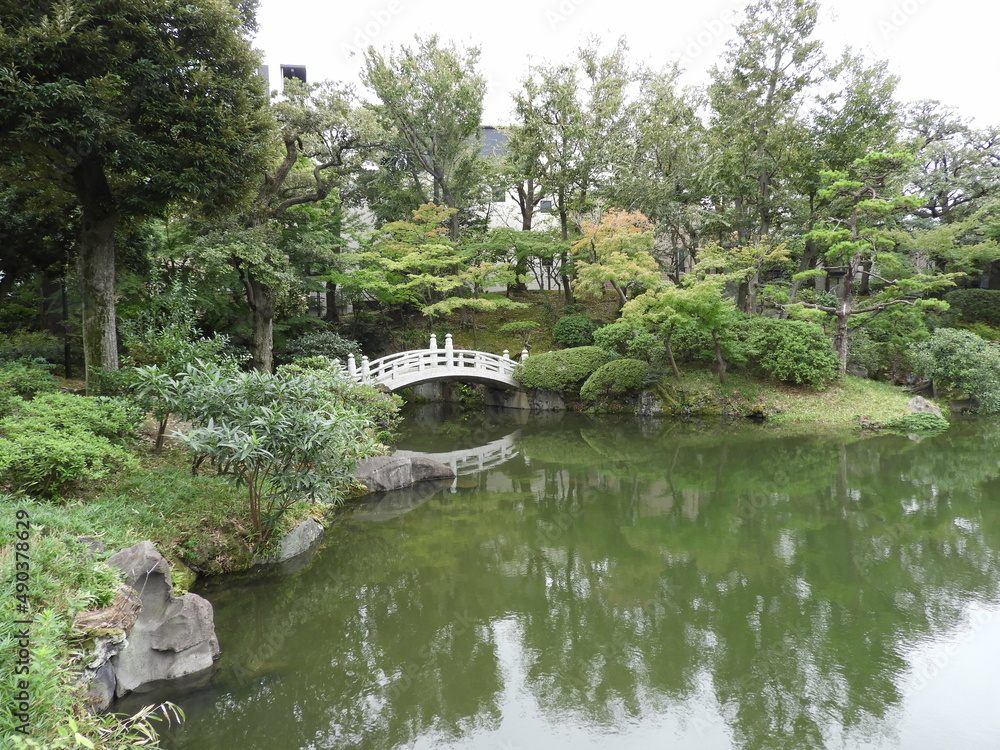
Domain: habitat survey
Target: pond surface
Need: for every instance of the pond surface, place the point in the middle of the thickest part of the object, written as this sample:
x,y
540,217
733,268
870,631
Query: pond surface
x,y
622,584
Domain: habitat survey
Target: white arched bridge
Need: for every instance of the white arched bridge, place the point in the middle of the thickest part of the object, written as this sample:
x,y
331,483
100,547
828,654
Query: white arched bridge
x,y
418,366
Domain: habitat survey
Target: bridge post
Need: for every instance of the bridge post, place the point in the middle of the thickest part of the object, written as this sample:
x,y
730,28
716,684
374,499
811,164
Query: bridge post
x,y
506,354
524,354
364,370
449,350
434,342
352,369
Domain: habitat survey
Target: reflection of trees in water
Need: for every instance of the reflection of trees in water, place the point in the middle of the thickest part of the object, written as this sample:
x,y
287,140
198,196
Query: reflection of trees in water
x,y
794,573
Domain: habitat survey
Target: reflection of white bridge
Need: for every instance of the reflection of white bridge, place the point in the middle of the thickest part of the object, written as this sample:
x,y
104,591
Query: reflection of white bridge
x,y
404,369
473,460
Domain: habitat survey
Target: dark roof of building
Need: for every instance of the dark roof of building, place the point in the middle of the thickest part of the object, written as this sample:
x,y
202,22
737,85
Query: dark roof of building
x,y
494,142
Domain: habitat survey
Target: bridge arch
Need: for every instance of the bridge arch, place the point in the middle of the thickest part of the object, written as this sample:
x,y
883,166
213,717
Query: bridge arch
x,y
405,369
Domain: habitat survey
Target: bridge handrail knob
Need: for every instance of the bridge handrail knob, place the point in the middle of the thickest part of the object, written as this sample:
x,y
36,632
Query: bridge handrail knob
x,y
364,366
352,368
434,342
524,354
506,354
448,350
447,341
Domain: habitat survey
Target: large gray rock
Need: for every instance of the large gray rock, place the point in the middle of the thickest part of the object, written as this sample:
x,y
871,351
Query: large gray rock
x,y
385,473
919,404
172,636
296,542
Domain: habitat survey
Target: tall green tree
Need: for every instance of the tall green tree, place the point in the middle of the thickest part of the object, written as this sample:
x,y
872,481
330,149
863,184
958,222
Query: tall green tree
x,y
755,98
863,231
326,137
433,96
662,168
127,106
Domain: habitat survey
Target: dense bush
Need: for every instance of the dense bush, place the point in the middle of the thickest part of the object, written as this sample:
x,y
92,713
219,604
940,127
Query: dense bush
x,y
281,436
382,409
792,351
884,344
623,339
563,371
57,440
975,305
615,378
32,345
962,361
321,344
25,378
574,330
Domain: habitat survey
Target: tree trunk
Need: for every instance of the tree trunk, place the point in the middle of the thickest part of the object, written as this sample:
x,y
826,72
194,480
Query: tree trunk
x,y
844,308
864,287
96,266
719,359
50,313
331,314
670,356
260,298
808,257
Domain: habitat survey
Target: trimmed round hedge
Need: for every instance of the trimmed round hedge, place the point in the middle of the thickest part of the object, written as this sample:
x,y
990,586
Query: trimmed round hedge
x,y
615,379
563,371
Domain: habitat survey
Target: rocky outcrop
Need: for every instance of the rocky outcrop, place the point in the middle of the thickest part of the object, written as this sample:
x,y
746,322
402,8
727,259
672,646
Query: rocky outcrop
x,y
919,405
172,636
385,473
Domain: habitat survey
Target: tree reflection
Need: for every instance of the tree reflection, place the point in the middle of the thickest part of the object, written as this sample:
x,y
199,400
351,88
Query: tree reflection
x,y
793,574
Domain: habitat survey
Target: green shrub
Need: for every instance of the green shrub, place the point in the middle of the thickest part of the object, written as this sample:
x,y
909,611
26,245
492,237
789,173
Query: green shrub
x,y
691,344
381,408
42,461
988,332
563,371
975,305
574,330
280,436
521,328
792,351
623,339
57,440
884,344
922,422
31,345
26,378
113,419
615,378
321,344
962,361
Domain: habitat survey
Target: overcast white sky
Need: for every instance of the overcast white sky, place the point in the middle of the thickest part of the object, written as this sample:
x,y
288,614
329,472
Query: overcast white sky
x,y
941,49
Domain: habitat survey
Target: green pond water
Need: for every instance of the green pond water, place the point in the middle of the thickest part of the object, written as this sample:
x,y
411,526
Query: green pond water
x,y
610,583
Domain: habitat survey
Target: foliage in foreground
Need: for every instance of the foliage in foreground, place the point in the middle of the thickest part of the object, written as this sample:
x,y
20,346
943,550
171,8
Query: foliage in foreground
x,y
283,437
64,581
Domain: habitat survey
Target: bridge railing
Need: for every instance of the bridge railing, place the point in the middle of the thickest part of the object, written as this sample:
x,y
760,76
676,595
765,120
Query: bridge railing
x,y
384,369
